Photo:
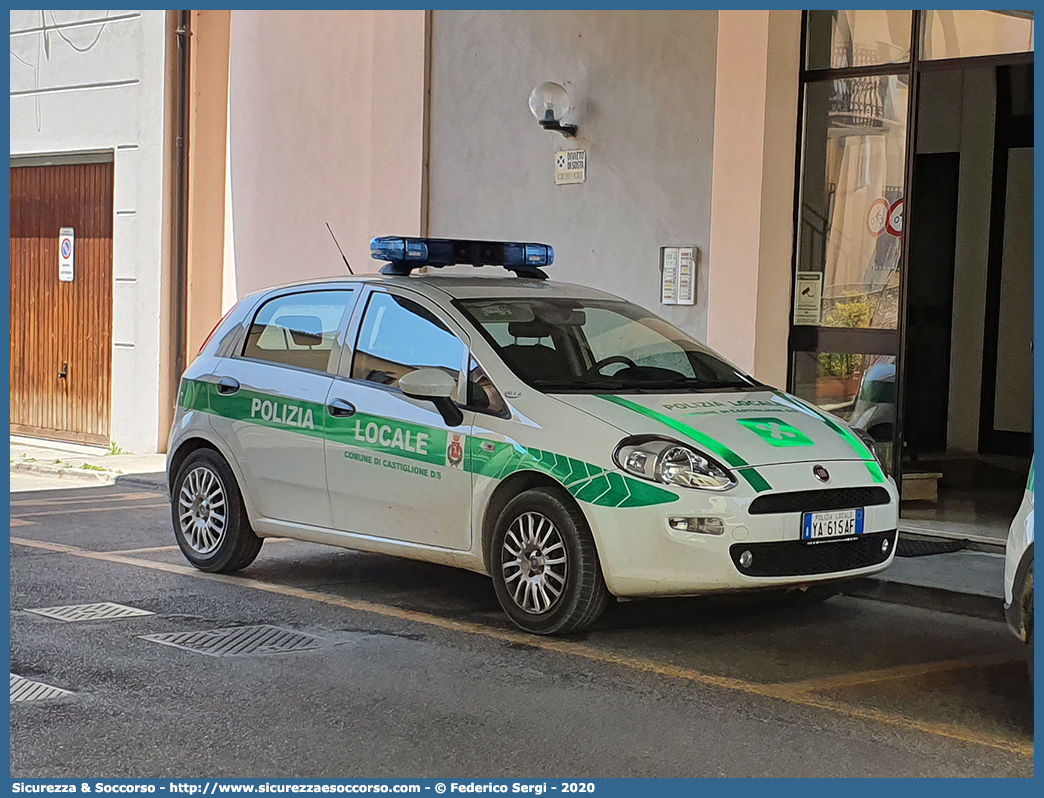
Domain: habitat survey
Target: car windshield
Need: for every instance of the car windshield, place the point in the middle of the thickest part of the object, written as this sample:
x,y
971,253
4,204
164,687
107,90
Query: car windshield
x,y
594,346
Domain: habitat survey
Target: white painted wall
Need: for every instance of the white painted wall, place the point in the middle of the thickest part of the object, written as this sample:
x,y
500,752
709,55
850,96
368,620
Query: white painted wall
x,y
957,114
94,80
642,86
1013,409
975,192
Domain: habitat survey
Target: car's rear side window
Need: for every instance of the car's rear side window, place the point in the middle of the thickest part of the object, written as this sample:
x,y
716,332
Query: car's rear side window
x,y
298,329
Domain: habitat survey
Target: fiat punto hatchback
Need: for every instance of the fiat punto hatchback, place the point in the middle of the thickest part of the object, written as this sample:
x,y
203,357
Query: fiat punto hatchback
x,y
569,444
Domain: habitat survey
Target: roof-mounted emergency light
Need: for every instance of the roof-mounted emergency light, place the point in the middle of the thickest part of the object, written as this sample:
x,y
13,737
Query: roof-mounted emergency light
x,y
406,254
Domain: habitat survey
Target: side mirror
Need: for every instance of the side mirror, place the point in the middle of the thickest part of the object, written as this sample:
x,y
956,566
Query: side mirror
x,y
435,386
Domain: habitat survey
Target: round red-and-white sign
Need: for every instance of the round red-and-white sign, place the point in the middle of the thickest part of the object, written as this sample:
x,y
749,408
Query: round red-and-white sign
x,y
894,223
877,216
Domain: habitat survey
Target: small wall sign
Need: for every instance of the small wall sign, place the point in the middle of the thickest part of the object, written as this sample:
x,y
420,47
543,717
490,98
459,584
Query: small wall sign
x,y
808,298
570,167
66,253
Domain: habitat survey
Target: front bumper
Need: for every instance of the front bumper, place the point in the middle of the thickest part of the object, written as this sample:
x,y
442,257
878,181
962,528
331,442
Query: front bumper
x,y
642,555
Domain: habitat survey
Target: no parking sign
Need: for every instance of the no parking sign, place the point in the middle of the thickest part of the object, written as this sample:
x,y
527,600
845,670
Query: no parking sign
x,y
66,251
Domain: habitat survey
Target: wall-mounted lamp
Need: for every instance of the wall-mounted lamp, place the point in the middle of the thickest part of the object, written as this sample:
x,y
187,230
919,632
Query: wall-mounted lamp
x,y
549,103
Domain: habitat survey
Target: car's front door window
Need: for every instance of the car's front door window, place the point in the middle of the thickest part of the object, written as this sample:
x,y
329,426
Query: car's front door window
x,y
399,335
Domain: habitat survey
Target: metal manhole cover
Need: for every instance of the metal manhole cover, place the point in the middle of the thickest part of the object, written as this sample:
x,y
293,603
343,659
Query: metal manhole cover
x,y
23,689
104,611
239,641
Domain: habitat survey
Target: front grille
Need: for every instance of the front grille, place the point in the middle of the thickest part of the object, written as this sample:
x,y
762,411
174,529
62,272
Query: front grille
x,y
807,501
801,558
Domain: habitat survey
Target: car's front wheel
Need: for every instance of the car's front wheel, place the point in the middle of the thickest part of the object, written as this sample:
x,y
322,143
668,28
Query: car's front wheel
x,y
210,520
545,567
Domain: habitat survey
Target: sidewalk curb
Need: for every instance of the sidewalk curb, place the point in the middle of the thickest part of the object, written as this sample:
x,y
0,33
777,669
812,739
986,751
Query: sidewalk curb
x,y
153,481
84,474
937,599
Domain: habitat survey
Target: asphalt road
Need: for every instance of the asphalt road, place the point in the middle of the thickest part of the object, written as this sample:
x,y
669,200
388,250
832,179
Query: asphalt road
x,y
411,670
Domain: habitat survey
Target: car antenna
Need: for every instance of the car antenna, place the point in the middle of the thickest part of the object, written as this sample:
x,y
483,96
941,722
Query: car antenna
x,y
346,263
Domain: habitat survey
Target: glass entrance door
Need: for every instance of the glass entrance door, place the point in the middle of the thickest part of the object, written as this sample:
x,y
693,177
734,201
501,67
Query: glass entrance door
x,y
845,325
859,309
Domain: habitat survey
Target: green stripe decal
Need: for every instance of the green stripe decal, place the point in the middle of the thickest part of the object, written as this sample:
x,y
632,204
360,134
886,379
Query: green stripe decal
x,y
756,481
265,410
850,438
588,483
875,471
496,460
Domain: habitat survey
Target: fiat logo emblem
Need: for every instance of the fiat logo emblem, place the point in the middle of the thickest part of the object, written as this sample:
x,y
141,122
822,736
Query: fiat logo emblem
x,y
821,473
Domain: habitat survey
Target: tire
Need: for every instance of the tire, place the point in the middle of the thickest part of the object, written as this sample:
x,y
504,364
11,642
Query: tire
x,y
525,585
211,541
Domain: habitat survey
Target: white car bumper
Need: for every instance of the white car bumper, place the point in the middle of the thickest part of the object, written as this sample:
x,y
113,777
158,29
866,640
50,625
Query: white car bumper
x,y
642,555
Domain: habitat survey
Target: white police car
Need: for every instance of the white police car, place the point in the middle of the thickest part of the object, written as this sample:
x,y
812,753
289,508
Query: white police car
x,y
1018,570
569,444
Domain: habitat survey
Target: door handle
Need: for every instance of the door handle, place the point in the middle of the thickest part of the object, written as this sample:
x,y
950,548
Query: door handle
x,y
341,408
228,386
64,373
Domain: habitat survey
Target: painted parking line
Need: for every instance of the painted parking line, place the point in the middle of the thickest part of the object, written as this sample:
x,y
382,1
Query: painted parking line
x,y
159,549
108,497
80,510
781,692
899,672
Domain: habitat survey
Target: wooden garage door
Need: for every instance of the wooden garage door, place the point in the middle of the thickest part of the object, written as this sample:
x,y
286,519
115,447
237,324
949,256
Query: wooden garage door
x,y
61,332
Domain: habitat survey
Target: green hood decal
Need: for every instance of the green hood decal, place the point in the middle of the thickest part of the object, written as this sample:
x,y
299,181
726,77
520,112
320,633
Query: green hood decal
x,y
761,429
753,478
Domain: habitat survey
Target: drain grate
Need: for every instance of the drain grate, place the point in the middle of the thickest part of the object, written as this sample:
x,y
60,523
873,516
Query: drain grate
x,y
239,641
105,611
23,689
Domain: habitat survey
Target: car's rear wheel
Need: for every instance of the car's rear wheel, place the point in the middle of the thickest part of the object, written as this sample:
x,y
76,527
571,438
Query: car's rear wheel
x,y
545,567
210,520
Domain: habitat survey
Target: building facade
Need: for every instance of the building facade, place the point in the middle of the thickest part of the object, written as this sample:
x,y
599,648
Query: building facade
x,y
89,154
855,185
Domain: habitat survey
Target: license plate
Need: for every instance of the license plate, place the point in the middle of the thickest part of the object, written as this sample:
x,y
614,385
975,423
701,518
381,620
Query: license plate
x,y
835,524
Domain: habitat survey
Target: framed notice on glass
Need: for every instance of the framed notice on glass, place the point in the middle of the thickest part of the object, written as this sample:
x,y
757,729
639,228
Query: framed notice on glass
x,y
808,298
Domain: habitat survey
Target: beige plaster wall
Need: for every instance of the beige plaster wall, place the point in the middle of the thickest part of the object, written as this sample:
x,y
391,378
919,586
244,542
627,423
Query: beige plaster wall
x,y
208,106
752,198
326,114
642,87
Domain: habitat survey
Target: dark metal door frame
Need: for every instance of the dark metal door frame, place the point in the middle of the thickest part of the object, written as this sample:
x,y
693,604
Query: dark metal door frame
x,y
878,341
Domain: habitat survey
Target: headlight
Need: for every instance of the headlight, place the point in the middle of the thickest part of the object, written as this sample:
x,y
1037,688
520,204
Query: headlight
x,y
672,463
870,443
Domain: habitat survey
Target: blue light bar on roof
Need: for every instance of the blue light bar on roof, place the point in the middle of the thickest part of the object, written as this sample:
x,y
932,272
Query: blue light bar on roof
x,y
406,254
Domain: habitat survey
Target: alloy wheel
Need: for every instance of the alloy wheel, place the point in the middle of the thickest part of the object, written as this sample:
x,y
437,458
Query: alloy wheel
x,y
534,563
202,510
